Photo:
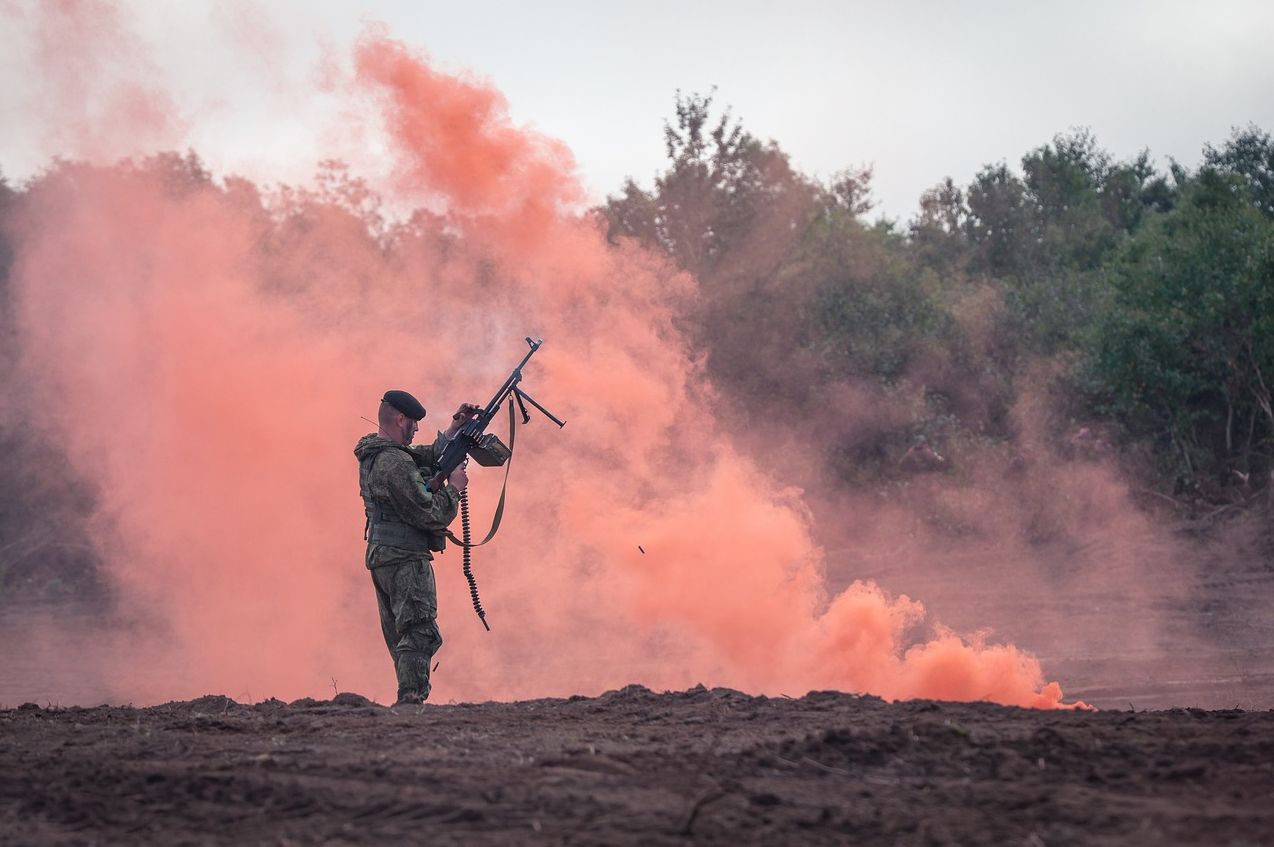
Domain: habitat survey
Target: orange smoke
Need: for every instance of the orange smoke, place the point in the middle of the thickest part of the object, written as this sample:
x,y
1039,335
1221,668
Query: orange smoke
x,y
219,348
462,146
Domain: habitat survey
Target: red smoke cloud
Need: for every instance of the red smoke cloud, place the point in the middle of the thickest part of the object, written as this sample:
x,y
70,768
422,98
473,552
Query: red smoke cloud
x,y
217,350
459,142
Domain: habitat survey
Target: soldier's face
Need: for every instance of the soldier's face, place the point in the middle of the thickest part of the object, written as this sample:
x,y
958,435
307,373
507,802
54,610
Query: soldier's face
x,y
409,428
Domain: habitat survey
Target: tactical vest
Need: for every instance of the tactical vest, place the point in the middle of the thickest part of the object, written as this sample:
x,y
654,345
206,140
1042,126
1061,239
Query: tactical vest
x,y
384,526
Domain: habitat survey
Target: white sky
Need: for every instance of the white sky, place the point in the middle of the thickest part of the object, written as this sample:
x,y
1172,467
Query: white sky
x,y
920,89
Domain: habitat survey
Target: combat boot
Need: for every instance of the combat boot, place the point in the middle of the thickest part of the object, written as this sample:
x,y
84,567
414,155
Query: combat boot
x,y
410,701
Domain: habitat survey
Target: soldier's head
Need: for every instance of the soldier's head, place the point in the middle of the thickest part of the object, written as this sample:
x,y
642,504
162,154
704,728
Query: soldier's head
x,y
399,416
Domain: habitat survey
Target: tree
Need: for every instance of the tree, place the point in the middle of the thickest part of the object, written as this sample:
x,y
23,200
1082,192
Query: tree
x,y
724,193
1001,224
1185,354
1048,235
938,232
1249,155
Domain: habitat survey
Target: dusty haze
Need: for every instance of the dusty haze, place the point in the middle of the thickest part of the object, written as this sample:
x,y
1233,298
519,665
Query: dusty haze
x,y
221,340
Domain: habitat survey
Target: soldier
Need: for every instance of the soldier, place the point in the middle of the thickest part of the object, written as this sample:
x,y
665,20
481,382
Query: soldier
x,y
405,527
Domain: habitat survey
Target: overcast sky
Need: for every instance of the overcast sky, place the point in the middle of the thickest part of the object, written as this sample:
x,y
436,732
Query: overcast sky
x,y
922,90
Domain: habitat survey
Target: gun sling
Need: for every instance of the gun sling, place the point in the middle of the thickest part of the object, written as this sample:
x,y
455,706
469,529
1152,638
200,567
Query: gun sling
x,y
499,509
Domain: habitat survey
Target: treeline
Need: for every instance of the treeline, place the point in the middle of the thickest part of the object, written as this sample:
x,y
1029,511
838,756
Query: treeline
x,y
44,505
1135,307
1140,302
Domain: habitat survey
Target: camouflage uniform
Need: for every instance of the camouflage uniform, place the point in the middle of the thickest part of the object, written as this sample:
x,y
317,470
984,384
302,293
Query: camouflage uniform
x,y
405,525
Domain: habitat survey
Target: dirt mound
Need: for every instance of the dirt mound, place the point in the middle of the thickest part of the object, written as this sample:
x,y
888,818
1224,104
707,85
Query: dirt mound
x,y
634,767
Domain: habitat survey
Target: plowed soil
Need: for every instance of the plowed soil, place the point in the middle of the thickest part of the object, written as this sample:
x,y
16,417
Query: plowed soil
x,y
634,767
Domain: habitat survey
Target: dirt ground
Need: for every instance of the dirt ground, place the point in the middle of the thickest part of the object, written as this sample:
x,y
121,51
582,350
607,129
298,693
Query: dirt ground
x,y
634,767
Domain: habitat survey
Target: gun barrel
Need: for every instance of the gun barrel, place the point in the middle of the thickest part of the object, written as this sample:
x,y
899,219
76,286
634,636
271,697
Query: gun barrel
x,y
510,384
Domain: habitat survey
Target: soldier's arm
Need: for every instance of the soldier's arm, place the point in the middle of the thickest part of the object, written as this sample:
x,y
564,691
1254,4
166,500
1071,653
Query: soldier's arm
x,y
426,455
430,512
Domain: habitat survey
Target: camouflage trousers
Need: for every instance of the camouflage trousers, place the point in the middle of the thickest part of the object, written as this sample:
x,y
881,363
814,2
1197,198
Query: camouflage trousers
x,y
407,598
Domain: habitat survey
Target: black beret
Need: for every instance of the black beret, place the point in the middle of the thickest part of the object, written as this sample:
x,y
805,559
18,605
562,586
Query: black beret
x,y
405,403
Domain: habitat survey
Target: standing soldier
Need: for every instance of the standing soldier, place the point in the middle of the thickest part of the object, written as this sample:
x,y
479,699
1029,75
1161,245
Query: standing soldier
x,y
405,527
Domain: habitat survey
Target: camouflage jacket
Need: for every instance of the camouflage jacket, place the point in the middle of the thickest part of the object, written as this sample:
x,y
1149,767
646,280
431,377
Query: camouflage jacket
x,y
397,481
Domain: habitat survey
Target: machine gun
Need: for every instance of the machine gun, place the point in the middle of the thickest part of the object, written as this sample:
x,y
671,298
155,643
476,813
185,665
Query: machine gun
x,y
472,440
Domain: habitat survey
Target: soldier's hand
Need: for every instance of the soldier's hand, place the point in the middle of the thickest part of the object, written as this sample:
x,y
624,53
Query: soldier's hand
x,y
459,479
465,413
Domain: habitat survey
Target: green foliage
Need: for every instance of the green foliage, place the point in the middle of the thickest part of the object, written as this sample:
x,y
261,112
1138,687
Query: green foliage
x,y
1157,284
1048,234
798,294
720,186
870,310
1249,155
1001,223
938,231
1185,353
785,263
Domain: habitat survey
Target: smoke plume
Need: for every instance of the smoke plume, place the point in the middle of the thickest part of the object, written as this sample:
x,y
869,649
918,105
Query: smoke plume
x,y
205,347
